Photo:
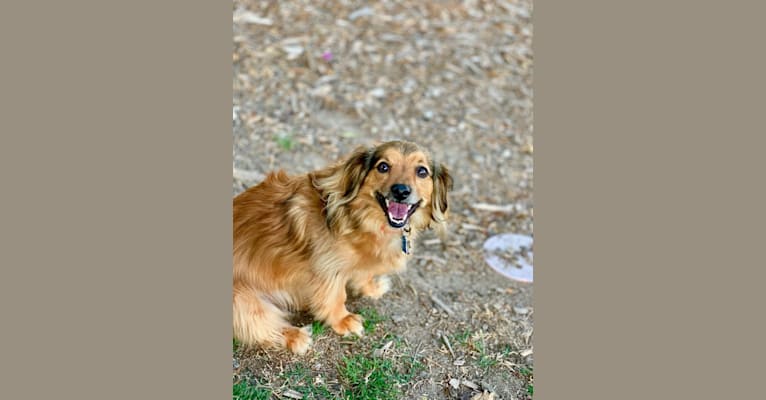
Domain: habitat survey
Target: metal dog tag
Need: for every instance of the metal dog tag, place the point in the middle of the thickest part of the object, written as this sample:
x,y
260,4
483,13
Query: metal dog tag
x,y
405,242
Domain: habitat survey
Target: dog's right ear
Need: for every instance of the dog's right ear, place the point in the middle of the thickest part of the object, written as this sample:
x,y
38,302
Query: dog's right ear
x,y
354,171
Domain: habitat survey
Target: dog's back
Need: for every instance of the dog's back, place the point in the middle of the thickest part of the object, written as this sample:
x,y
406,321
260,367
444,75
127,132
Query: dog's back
x,y
273,223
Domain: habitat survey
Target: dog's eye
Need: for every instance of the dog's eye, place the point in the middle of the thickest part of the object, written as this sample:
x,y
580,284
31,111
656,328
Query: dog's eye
x,y
383,168
422,172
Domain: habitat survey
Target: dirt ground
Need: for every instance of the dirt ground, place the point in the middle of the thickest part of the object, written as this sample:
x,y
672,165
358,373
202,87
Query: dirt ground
x,y
313,80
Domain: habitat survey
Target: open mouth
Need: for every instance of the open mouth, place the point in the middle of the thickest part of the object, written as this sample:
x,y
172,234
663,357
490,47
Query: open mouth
x,y
397,213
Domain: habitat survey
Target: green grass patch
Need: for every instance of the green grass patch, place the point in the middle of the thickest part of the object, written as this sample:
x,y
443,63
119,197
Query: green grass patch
x,y
317,329
370,378
398,342
371,319
299,378
414,366
485,360
285,141
527,373
476,344
297,374
462,337
314,392
246,391
377,378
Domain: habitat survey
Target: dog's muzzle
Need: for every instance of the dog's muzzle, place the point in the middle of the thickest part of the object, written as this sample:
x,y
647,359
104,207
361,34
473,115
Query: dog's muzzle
x,y
397,209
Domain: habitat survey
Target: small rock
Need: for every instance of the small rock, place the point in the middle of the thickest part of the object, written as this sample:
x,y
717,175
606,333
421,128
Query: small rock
x,y
455,383
378,93
527,148
361,12
487,387
521,310
484,396
249,17
292,394
293,51
526,352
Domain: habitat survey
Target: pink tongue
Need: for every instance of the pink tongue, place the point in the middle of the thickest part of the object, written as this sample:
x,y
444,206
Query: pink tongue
x,y
397,210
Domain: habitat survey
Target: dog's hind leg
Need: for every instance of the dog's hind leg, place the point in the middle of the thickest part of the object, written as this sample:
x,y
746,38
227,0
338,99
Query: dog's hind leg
x,y
258,321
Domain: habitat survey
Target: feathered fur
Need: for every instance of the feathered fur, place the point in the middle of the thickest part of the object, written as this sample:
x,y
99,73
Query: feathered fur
x,y
301,241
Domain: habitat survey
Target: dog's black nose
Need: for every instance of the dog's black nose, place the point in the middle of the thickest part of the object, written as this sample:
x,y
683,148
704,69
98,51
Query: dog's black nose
x,y
400,192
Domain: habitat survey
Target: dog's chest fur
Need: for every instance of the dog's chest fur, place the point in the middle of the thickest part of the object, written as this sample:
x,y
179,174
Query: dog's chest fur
x,y
378,253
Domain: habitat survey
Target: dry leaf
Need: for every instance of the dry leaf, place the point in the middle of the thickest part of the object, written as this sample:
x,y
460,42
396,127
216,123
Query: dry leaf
x,y
484,396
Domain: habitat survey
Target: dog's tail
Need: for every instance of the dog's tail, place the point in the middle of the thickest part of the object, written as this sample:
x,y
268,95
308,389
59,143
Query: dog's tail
x,y
256,320
259,321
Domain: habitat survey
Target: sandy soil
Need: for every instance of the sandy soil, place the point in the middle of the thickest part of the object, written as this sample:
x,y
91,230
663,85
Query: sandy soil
x,y
313,80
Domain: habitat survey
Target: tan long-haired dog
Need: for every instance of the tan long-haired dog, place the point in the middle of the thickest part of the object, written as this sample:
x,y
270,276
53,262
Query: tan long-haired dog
x,y
301,241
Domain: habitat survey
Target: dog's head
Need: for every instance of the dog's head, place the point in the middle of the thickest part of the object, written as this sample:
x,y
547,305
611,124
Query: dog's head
x,y
395,183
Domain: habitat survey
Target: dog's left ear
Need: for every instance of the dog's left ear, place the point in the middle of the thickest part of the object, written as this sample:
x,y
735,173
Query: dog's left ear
x,y
442,184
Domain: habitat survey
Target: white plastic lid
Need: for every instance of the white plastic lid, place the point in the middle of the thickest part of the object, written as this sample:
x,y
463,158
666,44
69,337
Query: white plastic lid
x,y
510,244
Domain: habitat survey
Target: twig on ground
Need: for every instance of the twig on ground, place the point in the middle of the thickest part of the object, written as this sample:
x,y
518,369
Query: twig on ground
x,y
472,227
469,384
367,377
414,291
379,352
526,352
248,176
508,208
417,349
449,346
442,305
435,259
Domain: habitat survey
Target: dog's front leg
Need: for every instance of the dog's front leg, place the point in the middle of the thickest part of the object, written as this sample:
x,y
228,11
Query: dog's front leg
x,y
366,284
329,305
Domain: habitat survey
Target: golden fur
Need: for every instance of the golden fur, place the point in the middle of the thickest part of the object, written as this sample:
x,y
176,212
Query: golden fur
x,y
300,241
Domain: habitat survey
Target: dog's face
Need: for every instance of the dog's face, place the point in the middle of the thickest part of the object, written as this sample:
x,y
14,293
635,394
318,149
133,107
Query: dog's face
x,y
401,183
394,183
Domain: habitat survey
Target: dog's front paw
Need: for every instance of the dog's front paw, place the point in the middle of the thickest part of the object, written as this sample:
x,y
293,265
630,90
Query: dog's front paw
x,y
297,340
351,323
377,287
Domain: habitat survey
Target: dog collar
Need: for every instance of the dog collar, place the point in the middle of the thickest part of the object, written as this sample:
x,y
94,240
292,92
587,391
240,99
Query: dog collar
x,y
406,243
